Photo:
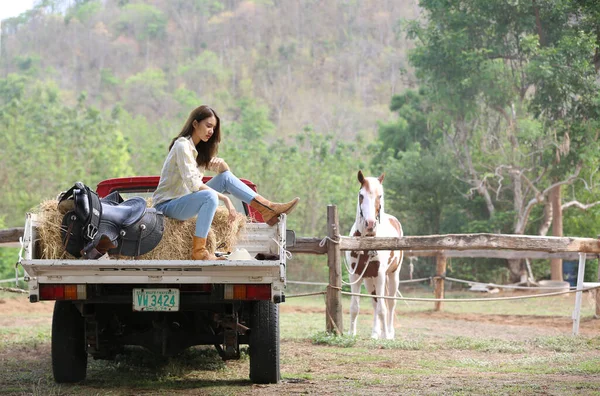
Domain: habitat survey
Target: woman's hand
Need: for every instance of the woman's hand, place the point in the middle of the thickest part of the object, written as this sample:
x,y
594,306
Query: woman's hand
x,y
230,208
218,164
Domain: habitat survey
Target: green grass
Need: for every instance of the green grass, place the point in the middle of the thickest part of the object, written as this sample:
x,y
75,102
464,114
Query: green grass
x,y
401,344
4,295
566,343
342,341
24,336
484,345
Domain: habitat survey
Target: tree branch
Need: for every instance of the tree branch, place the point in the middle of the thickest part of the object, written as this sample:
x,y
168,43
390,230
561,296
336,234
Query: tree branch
x,y
548,216
540,197
505,57
538,23
579,205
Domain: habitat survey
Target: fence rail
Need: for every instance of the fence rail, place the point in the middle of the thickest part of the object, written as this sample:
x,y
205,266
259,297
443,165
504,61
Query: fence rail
x,y
444,247
10,237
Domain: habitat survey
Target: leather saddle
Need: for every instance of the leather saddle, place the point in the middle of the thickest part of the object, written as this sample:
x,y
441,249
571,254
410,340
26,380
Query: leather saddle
x,y
93,226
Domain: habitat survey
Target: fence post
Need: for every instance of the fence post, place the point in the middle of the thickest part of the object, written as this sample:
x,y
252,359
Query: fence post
x,y
578,295
334,290
440,269
597,294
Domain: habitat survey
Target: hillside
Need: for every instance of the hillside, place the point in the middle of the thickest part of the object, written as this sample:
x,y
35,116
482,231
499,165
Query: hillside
x,y
330,65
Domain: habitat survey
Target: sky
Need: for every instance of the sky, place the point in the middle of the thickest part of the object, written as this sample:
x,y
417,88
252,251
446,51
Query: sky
x,y
12,8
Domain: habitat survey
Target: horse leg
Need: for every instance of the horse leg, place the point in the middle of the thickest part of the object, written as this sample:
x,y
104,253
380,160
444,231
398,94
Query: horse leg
x,y
393,281
376,287
354,303
370,286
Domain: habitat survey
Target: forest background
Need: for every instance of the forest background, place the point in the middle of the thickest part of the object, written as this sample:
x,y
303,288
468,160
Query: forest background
x,y
483,114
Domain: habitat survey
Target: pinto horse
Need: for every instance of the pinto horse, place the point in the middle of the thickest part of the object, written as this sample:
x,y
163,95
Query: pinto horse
x,y
378,269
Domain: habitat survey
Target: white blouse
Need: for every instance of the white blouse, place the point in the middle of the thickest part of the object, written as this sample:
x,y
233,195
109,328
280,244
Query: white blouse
x,y
180,174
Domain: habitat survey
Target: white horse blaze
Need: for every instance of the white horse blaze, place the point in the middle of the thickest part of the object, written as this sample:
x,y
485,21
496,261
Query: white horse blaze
x,y
379,269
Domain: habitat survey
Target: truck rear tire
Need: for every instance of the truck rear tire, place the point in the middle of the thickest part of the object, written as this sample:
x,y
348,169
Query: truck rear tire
x,y
69,355
264,343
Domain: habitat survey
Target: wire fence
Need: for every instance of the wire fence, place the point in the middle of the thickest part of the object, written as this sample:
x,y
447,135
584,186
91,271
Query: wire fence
x,y
428,279
559,290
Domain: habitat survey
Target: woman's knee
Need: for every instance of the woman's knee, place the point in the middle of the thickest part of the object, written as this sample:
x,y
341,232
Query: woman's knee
x,y
206,197
212,198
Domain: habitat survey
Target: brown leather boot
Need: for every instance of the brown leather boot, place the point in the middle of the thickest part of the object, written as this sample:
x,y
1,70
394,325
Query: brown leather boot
x,y
199,251
270,211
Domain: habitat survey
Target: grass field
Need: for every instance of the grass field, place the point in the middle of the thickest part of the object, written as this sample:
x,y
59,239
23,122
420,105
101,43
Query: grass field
x,y
486,348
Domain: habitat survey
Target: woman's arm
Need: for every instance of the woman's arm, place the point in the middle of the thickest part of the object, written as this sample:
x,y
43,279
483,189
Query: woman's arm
x,y
226,201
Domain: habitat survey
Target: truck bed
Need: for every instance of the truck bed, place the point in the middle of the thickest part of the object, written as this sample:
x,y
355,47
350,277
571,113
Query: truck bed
x,y
255,238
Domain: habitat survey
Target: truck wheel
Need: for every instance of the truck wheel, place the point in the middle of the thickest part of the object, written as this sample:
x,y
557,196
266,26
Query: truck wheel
x,y
264,343
69,355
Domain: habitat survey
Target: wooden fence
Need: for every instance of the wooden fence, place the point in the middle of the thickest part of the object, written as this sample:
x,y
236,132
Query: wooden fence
x,y
442,247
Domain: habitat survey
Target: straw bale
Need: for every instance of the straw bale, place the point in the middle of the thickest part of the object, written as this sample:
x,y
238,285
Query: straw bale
x,y
176,243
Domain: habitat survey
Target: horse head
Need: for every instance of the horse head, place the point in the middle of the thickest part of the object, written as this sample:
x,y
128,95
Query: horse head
x,y
370,204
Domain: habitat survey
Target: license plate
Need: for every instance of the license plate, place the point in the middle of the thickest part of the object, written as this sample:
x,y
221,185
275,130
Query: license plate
x,y
156,299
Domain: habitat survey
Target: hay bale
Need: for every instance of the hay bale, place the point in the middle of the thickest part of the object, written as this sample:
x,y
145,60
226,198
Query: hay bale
x,y
48,231
176,243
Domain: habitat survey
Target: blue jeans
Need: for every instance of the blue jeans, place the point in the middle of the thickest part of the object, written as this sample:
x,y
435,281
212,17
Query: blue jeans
x,y
204,203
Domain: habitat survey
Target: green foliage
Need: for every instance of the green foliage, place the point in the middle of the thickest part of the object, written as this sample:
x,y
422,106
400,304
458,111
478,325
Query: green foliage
x,y
204,70
498,95
188,99
108,78
423,208
476,56
152,79
8,258
46,145
508,104
83,11
317,168
250,121
28,64
146,142
142,21
146,90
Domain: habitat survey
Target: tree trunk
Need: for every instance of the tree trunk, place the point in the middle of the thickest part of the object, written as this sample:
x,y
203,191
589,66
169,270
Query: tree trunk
x,y
557,230
518,271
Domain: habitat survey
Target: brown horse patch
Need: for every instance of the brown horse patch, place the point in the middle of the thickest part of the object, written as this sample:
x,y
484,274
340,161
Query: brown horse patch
x,y
372,269
393,263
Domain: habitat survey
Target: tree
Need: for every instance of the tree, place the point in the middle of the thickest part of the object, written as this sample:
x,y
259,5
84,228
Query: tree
x,y
511,85
414,158
47,145
145,22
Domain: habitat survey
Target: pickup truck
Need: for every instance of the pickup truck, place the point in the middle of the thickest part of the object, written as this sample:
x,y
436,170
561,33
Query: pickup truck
x,y
103,305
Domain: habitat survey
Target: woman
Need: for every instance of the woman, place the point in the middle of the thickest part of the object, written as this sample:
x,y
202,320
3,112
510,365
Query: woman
x,y
181,194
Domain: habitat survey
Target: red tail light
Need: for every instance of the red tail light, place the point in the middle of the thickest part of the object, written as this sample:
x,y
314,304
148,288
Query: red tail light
x,y
258,292
63,292
247,292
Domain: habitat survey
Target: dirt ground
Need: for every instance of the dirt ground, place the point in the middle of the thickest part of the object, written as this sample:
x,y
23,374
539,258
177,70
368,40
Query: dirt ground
x,y
323,369
508,327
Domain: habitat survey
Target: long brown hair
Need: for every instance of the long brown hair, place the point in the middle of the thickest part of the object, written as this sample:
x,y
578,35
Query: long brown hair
x,y
206,150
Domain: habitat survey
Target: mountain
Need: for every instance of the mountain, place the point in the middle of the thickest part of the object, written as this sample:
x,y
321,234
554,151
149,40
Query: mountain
x,y
331,65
